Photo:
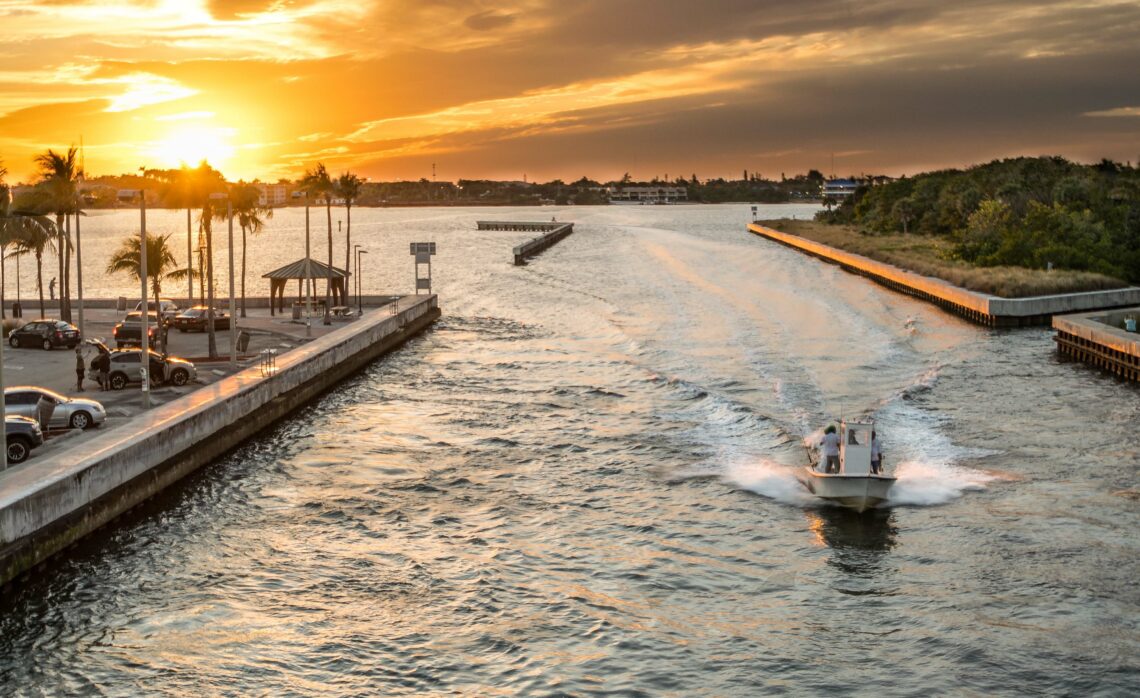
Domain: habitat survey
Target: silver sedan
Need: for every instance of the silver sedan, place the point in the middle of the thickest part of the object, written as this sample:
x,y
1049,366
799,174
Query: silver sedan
x,y
66,412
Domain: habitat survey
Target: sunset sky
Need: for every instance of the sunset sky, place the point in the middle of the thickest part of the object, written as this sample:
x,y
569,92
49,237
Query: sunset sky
x,y
560,89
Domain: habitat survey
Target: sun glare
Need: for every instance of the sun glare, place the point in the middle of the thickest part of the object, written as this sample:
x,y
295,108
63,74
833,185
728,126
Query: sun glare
x,y
192,144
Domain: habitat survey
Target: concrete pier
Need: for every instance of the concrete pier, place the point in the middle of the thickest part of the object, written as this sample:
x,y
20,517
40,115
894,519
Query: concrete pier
x,y
982,308
52,502
552,233
1099,340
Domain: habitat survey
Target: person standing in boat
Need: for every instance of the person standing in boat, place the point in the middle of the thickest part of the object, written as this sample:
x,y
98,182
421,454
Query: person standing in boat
x,y
830,445
876,455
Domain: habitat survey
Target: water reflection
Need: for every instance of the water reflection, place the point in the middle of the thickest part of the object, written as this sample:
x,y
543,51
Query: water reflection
x,y
840,528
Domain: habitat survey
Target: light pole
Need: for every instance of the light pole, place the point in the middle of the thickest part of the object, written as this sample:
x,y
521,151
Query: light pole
x,y
308,276
144,329
356,277
359,304
233,302
79,259
233,308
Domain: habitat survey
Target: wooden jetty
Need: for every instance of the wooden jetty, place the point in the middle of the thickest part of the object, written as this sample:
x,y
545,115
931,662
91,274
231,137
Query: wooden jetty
x,y
1100,340
552,232
982,308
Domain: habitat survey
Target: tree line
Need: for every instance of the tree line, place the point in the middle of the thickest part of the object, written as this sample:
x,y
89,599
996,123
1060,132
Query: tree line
x,y
1044,212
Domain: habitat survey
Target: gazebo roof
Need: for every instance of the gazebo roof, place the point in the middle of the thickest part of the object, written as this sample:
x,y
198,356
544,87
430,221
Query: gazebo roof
x,y
306,268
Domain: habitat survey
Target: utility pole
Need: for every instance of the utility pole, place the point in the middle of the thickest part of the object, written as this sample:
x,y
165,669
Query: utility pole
x,y
233,302
308,276
144,329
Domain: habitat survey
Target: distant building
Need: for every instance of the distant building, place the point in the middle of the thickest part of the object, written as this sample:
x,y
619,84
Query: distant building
x,y
272,194
128,195
647,195
839,189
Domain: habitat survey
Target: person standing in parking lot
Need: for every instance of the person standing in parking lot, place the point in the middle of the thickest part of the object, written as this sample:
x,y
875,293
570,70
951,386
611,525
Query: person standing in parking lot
x,y
80,368
102,364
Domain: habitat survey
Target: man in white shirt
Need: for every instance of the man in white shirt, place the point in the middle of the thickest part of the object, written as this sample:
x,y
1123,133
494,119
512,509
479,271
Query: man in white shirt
x,y
876,455
830,445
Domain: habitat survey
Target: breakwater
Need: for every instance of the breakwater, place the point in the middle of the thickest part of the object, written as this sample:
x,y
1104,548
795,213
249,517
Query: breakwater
x,y
552,232
46,506
982,308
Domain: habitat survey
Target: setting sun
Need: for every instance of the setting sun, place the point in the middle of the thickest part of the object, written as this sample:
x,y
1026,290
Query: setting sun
x,y
191,144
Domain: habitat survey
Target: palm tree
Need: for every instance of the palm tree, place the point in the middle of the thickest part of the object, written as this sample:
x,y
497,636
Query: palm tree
x,y
36,239
251,215
60,173
320,183
348,187
14,227
160,263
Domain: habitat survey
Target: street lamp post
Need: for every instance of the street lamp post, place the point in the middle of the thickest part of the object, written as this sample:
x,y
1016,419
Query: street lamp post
x,y
144,330
233,301
79,260
359,303
308,276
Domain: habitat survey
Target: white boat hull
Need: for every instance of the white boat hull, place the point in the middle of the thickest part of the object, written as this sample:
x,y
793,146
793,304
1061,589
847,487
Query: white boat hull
x,y
859,492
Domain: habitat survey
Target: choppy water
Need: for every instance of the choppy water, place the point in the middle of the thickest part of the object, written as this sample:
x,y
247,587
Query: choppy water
x,y
581,482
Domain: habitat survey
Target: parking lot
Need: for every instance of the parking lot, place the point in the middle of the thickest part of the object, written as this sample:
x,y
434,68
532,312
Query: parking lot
x,y
55,369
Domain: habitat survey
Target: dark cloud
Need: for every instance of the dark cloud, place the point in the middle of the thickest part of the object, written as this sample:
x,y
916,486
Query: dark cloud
x,y
485,21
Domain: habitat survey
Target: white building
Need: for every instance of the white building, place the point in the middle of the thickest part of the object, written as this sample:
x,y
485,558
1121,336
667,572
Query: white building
x,y
839,189
647,195
272,194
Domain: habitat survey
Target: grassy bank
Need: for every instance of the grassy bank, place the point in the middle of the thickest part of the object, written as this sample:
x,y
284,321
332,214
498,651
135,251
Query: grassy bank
x,y
927,255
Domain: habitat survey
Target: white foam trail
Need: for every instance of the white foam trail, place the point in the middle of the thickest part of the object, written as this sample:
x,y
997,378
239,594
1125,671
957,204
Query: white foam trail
x,y
769,479
927,484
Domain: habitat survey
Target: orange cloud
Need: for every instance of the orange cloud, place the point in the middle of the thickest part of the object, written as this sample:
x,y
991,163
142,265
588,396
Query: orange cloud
x,y
271,85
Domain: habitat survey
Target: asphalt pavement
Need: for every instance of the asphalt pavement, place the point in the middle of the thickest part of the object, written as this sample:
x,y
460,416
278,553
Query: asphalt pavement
x,y
55,369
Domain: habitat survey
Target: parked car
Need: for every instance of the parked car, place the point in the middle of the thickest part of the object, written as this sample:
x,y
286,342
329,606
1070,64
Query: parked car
x,y
68,412
23,434
125,366
129,331
167,308
194,319
46,333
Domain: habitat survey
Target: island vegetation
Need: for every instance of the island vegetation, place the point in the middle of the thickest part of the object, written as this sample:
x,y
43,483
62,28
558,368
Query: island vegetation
x,y
1013,228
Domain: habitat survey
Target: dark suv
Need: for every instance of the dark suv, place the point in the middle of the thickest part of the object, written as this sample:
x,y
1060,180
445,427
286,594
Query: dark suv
x,y
46,333
128,333
23,435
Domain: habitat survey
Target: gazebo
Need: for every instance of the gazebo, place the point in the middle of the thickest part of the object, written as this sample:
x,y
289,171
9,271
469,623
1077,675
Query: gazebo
x,y
305,268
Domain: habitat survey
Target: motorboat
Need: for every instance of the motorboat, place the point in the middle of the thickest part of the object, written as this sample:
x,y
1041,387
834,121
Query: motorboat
x,y
854,485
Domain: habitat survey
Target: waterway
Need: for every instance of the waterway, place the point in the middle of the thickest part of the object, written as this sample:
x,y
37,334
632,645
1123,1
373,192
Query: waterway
x,y
582,482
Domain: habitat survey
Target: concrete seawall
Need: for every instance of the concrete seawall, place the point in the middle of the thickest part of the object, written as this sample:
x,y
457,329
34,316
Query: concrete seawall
x,y
1097,339
981,308
51,503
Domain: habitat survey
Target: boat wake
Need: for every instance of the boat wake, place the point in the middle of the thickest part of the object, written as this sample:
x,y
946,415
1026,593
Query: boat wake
x,y
930,484
919,483
770,479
